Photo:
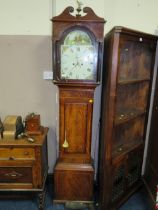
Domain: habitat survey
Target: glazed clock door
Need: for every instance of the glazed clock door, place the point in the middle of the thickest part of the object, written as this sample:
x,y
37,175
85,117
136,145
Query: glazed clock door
x,y
76,108
77,57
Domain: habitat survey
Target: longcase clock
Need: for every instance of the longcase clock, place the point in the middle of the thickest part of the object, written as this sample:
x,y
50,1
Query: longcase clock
x,y
77,61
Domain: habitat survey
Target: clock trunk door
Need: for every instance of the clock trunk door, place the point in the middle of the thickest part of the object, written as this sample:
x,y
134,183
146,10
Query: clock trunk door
x,y
76,117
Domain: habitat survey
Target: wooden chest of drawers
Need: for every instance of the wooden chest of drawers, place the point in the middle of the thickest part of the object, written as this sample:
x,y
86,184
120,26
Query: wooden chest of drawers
x,y
24,165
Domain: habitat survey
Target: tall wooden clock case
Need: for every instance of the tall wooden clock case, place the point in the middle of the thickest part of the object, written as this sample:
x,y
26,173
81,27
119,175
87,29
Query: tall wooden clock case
x,y
77,60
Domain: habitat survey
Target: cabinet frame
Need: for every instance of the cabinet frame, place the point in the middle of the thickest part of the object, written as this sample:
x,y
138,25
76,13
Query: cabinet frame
x,y
111,118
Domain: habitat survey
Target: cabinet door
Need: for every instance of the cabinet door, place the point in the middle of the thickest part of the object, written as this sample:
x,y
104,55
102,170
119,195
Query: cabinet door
x,y
134,75
136,57
75,125
126,173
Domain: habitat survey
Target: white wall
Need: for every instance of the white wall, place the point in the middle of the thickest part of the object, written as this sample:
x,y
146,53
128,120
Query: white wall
x,y
32,17
25,17
136,14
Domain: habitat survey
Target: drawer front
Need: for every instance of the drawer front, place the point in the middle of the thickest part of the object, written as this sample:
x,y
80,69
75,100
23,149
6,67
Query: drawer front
x,y
15,153
15,175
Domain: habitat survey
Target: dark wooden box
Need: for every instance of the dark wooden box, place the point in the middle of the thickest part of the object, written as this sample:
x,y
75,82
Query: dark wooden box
x,y
33,125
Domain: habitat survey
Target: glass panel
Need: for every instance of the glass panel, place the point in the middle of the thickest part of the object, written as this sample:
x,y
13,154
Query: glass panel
x,y
128,134
131,103
131,99
77,37
78,57
118,183
135,60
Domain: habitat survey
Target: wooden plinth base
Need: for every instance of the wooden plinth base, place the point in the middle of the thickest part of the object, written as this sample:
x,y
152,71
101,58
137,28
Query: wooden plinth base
x,y
73,182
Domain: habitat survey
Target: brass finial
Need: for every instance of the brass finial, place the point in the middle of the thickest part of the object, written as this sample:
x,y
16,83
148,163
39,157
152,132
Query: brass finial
x,y
79,9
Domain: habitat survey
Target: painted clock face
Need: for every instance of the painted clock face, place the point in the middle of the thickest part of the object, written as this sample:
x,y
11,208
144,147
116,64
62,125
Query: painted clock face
x,y
78,57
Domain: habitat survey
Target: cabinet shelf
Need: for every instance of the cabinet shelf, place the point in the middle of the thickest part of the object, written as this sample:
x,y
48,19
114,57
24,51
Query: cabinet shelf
x,y
132,81
124,116
123,150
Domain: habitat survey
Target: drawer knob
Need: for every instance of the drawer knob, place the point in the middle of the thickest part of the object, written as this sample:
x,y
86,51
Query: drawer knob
x,y
26,153
120,149
140,39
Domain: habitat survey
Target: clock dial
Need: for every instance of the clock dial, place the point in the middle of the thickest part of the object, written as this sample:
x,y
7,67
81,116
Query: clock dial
x,y
78,57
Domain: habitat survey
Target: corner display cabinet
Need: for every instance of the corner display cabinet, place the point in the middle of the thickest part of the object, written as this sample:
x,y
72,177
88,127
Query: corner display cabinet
x,y
77,61
127,79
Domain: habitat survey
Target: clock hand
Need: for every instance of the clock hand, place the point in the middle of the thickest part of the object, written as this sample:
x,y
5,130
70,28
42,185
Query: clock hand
x,y
78,64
